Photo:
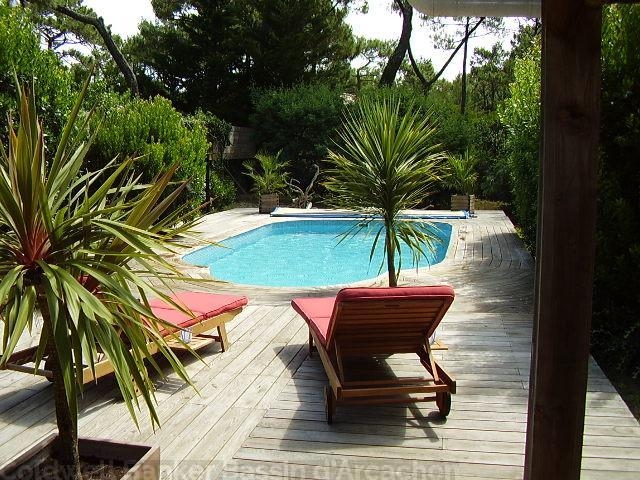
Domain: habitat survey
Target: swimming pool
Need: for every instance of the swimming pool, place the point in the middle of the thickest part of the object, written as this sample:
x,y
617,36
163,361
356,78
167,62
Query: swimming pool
x,y
306,253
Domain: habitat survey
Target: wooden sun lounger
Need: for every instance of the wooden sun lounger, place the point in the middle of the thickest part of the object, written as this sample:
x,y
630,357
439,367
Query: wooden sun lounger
x,y
358,329
210,311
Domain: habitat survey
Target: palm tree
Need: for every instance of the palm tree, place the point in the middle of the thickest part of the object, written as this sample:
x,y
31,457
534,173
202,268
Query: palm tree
x,y
461,173
385,161
271,177
81,248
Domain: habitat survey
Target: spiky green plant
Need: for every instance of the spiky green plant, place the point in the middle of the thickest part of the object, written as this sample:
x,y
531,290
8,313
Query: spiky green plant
x,y
461,173
384,162
80,251
269,176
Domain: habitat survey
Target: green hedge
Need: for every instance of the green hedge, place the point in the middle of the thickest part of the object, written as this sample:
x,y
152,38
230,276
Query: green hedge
x,y
300,121
520,114
156,133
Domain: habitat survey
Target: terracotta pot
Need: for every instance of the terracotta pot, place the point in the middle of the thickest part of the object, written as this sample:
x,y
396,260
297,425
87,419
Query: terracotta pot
x,y
143,460
268,202
463,202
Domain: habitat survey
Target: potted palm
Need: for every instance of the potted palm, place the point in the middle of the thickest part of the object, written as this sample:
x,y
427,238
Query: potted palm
x,y
462,177
384,162
269,179
82,249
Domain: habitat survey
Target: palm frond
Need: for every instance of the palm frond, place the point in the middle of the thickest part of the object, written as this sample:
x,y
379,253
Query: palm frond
x,y
86,250
385,162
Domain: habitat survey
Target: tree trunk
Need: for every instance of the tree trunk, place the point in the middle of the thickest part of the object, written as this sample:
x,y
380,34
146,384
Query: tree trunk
x,y
395,60
116,54
463,96
67,423
391,251
416,69
457,49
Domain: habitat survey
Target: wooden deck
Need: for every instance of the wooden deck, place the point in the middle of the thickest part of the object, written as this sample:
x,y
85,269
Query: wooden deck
x,y
259,410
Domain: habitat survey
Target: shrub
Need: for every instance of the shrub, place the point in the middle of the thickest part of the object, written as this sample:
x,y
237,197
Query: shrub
x,y
157,133
223,191
520,114
21,53
488,146
616,326
300,121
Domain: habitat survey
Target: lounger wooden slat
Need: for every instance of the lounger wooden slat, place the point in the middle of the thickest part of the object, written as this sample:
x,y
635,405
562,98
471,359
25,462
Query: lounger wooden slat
x,y
372,324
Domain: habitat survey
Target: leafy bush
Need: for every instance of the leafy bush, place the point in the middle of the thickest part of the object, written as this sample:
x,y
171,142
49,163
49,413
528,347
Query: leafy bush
x,y
21,53
488,146
300,121
157,133
616,325
218,131
520,114
223,191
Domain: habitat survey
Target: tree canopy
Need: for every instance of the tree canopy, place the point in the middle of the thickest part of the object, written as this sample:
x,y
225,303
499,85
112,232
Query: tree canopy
x,y
210,54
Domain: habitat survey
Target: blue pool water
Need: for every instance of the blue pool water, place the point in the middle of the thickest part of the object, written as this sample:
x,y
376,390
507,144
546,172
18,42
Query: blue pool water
x,y
306,253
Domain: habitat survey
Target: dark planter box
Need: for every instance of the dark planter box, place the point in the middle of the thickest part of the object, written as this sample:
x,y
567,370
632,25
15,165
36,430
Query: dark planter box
x,y
268,202
463,202
143,460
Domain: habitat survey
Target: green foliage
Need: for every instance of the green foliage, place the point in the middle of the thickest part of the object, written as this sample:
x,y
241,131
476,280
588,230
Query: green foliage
x,y
210,55
520,114
616,327
20,52
300,121
452,133
370,59
454,129
489,78
300,41
62,243
408,76
488,145
218,131
223,191
461,173
385,162
270,175
154,131
61,33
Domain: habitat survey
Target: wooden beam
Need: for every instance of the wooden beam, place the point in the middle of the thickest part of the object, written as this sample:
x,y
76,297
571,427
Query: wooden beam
x,y
566,238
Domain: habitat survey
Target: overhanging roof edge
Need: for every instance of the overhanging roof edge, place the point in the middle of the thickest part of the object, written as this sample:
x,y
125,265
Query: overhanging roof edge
x,y
478,8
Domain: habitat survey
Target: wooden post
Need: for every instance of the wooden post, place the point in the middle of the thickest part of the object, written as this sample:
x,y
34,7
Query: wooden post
x,y
566,247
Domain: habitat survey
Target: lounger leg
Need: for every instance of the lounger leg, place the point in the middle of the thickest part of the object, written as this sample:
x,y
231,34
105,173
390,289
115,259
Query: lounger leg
x,y
224,341
311,347
329,404
443,401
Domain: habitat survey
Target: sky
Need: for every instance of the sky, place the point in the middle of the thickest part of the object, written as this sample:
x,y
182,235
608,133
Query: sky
x,y
380,22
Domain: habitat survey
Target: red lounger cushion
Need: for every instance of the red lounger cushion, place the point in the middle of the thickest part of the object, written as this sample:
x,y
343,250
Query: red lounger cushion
x,y
319,313
203,305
